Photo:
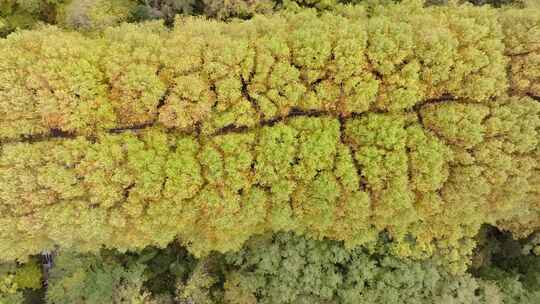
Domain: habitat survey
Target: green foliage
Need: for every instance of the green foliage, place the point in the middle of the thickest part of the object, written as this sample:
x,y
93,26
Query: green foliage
x,y
165,9
94,14
23,14
509,264
28,275
289,268
199,287
286,268
94,279
15,279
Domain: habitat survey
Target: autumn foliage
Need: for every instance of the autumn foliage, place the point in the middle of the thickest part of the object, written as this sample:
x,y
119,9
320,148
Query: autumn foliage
x,y
422,123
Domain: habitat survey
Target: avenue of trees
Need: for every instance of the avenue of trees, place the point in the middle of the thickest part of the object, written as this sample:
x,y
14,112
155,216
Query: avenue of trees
x,y
270,152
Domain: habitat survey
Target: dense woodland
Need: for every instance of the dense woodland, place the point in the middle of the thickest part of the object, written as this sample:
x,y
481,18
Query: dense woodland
x,y
298,151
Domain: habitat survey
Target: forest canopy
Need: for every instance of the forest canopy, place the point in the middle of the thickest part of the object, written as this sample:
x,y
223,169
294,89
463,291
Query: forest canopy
x,y
403,138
